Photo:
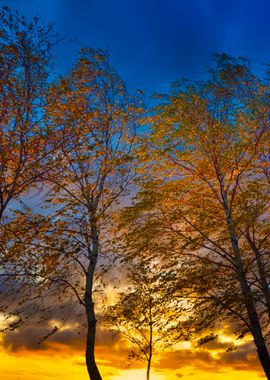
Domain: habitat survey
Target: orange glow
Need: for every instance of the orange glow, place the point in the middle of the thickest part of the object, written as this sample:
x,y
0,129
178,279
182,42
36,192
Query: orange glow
x,y
43,368
57,360
57,364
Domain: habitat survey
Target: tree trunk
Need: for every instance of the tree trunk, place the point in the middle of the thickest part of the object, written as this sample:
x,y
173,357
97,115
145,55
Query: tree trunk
x,y
261,270
255,327
148,369
90,343
149,360
89,308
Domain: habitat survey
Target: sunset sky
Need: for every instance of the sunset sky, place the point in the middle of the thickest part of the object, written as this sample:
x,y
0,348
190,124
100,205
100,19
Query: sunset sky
x,y
61,356
151,43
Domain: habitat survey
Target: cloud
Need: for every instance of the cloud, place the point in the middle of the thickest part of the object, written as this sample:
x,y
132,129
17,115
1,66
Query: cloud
x,y
29,340
215,345
66,340
112,350
182,358
243,359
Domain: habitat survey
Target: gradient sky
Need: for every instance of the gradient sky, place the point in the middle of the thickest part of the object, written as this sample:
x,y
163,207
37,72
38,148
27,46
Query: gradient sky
x,y
61,356
150,43
153,42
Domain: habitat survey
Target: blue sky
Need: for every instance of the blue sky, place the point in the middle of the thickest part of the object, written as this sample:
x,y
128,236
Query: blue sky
x,y
153,42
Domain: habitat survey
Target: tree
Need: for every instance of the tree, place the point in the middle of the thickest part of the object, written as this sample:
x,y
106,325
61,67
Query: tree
x,y
27,142
207,191
145,315
24,70
97,119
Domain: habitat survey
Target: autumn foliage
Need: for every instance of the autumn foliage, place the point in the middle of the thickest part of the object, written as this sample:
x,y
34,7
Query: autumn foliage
x,y
180,208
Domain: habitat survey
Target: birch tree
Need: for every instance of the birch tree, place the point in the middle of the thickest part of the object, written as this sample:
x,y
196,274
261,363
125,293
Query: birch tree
x,y
145,313
98,119
27,143
24,69
206,200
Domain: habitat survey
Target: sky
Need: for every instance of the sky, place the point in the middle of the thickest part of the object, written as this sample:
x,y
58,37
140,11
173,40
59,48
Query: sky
x,y
61,356
151,43
154,42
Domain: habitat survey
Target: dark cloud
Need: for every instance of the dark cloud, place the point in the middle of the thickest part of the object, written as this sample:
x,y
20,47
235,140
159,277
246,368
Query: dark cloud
x,y
181,358
29,340
65,341
215,345
243,359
